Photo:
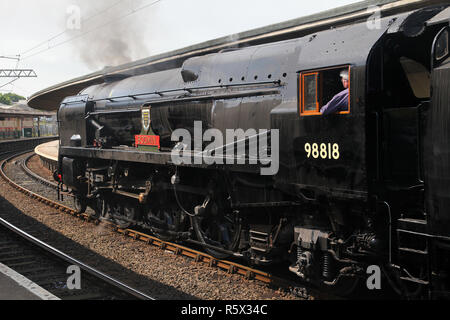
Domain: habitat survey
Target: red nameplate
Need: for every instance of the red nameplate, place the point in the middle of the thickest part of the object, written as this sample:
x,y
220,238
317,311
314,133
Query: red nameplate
x,y
147,141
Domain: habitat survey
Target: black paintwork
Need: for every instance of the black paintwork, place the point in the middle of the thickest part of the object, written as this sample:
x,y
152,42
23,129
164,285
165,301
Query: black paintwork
x,y
437,153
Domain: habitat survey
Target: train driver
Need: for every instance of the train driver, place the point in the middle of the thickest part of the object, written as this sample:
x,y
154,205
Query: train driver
x,y
340,101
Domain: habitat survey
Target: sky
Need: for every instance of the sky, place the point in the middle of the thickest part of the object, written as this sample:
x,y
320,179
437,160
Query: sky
x,y
64,39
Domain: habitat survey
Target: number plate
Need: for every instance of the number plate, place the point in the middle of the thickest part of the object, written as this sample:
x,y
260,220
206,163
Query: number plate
x,y
153,141
323,150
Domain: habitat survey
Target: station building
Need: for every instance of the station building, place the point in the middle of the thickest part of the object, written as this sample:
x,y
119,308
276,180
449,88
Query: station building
x,y
20,121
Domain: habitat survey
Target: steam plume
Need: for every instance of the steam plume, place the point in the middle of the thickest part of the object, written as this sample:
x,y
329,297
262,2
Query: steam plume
x,y
109,38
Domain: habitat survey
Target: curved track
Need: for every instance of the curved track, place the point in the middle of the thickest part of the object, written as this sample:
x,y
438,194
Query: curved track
x,y
46,265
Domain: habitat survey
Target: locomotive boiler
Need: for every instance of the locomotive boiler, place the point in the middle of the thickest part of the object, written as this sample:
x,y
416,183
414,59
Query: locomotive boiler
x,y
367,185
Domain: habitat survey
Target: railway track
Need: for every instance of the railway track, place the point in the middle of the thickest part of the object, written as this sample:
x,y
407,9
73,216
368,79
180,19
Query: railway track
x,y
47,266
231,267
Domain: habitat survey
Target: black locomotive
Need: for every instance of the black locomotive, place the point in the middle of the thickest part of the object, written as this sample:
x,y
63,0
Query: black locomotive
x,y
366,186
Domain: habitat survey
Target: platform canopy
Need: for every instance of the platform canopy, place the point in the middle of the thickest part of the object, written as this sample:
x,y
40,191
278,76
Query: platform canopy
x,y
49,99
23,110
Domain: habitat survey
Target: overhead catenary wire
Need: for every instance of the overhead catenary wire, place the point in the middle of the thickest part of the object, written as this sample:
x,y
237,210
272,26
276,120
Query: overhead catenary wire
x,y
10,82
94,29
67,29
12,57
13,87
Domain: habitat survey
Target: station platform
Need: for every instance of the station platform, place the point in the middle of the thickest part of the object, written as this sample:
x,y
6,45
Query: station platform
x,y
14,286
48,152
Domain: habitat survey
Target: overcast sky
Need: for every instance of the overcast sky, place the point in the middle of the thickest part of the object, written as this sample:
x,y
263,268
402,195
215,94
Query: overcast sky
x,y
110,33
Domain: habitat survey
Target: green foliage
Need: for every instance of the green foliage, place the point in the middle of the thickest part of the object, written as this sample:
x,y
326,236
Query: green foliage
x,y
5,100
10,98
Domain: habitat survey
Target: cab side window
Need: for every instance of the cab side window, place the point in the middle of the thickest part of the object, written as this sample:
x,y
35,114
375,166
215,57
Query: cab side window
x,y
324,91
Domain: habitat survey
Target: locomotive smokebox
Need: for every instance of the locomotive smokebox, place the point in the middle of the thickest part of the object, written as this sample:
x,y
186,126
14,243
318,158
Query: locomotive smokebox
x,y
72,113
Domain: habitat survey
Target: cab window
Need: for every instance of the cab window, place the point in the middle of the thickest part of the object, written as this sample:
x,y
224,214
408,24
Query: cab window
x,y
324,88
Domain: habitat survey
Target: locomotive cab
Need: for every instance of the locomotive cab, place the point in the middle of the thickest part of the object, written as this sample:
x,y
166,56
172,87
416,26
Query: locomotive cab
x,y
409,168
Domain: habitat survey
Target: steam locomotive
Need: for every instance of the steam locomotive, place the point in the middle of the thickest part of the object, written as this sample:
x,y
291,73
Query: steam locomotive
x,y
366,186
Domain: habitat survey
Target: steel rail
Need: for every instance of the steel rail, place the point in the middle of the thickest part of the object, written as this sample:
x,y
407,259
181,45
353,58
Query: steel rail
x,y
177,249
33,175
55,252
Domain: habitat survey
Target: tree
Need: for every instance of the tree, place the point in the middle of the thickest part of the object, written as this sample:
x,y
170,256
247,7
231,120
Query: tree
x,y
5,100
14,97
10,98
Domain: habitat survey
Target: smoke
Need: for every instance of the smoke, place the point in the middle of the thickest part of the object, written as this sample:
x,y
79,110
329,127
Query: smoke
x,y
109,34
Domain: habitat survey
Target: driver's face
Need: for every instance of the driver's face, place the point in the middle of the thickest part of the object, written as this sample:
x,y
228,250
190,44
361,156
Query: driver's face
x,y
345,83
